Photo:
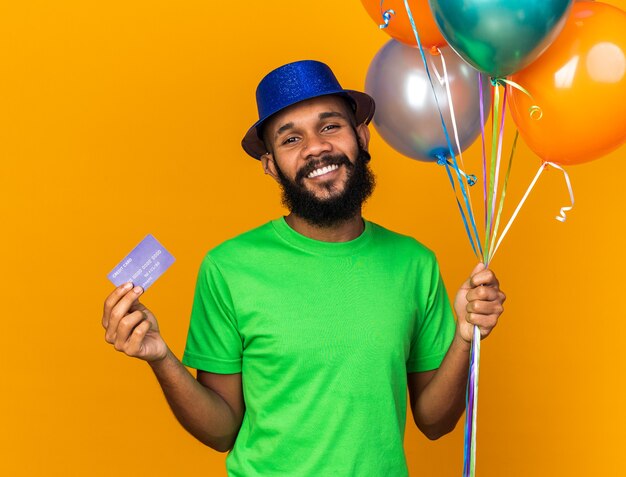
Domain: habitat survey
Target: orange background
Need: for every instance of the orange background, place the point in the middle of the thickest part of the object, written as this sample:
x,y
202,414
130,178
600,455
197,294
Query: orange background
x,y
119,119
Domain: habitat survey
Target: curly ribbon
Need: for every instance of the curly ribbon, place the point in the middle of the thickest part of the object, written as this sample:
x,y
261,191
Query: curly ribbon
x,y
442,161
494,163
534,110
471,406
561,218
498,162
500,140
471,414
386,14
482,136
471,179
496,154
503,194
495,174
470,441
462,185
535,113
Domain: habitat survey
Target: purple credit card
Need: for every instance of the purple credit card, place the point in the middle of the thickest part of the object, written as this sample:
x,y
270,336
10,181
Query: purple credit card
x,y
143,265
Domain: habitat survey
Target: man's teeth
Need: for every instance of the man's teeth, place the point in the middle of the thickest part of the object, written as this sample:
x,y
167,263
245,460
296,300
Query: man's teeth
x,y
323,170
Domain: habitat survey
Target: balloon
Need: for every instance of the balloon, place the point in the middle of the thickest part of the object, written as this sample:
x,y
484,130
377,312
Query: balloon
x,y
406,115
580,85
399,26
499,37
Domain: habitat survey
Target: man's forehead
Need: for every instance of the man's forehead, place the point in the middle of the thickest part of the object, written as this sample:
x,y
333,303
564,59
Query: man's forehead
x,y
314,108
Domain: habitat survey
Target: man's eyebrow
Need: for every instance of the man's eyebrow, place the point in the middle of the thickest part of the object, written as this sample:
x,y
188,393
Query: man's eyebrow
x,y
331,114
324,115
283,128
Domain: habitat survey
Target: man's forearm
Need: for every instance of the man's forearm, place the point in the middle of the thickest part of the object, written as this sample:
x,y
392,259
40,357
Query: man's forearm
x,y
442,401
201,411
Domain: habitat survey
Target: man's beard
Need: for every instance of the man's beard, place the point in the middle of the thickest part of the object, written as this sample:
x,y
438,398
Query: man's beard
x,y
338,207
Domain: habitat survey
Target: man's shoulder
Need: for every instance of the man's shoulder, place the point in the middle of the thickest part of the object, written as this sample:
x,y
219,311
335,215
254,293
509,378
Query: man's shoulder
x,y
400,241
243,242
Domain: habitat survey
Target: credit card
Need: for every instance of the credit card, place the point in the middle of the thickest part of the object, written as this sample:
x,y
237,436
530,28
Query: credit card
x,y
143,265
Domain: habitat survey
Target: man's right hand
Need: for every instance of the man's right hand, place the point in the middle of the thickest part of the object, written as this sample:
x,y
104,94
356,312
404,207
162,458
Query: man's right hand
x,y
130,327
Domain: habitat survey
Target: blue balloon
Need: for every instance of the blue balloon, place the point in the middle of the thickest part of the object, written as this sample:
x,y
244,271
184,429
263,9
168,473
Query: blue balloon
x,y
500,37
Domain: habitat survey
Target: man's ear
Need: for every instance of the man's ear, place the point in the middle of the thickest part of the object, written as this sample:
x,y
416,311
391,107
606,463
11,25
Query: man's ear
x,y
363,135
269,166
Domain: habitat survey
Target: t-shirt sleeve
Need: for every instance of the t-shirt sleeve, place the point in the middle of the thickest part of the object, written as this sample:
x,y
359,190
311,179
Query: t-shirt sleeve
x,y
213,342
435,325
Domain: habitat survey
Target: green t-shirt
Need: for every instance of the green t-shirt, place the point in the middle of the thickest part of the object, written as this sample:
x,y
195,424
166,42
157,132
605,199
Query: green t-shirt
x,y
324,335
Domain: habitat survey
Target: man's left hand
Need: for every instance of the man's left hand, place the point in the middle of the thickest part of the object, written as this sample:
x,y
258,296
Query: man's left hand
x,y
478,302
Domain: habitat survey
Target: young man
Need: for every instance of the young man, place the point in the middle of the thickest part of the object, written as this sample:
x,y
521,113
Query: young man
x,y
307,330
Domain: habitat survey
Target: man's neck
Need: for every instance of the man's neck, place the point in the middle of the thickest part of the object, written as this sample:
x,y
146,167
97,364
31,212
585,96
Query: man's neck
x,y
341,232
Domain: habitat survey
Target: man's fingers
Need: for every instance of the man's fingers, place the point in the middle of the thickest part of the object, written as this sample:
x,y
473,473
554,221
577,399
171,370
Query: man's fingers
x,y
112,300
134,345
484,294
137,306
119,311
126,327
484,322
481,307
484,277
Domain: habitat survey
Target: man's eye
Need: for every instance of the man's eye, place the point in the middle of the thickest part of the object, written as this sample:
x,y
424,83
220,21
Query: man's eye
x,y
330,126
290,140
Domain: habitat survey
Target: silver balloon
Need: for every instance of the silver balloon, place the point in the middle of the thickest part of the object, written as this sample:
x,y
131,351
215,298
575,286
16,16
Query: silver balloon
x,y
406,115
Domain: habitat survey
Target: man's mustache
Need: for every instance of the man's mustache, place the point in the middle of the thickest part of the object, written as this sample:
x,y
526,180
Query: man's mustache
x,y
339,160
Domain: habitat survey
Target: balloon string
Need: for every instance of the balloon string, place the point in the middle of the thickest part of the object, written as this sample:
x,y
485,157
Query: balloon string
x,y
498,157
471,407
482,135
386,15
535,111
475,372
443,162
503,195
469,211
492,169
471,180
474,369
445,131
449,94
560,218
519,206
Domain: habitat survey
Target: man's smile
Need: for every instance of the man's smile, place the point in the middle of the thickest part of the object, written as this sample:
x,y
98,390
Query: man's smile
x,y
322,171
322,167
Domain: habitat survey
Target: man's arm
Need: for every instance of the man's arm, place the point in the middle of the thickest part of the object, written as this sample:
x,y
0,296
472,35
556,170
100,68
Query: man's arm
x,y
438,397
211,408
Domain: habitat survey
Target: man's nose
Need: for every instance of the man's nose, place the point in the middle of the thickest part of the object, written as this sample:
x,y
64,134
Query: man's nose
x,y
315,145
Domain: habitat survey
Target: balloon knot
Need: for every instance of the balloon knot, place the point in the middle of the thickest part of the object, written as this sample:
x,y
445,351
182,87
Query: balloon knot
x,y
386,18
471,179
536,113
441,161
